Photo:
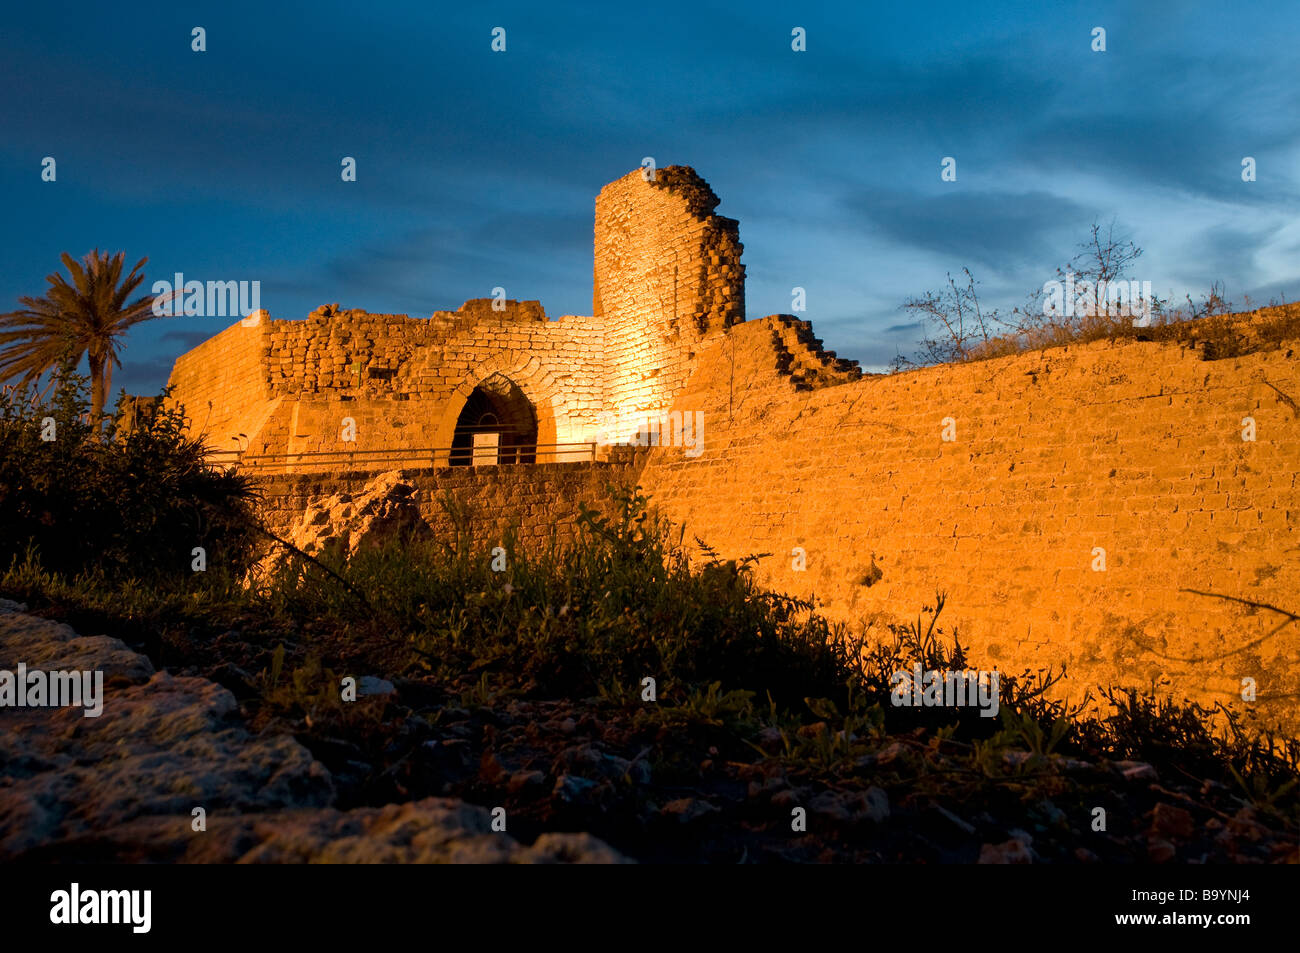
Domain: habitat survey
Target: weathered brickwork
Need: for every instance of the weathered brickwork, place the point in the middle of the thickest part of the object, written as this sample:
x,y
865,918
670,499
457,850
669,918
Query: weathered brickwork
x,y
402,381
540,502
1132,448
667,276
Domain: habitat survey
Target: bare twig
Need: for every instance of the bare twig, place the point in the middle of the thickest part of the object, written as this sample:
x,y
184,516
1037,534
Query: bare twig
x,y
320,565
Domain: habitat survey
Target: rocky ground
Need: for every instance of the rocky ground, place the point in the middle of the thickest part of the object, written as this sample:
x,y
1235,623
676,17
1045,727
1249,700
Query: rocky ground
x,y
413,773
123,786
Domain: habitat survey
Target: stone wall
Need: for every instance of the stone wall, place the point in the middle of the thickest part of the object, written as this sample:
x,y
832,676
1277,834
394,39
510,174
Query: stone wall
x,y
1133,448
667,276
542,501
288,386
222,385
1131,453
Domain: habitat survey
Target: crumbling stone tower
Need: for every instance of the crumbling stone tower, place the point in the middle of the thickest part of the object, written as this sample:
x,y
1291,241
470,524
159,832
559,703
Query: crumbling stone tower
x,y
667,276
667,281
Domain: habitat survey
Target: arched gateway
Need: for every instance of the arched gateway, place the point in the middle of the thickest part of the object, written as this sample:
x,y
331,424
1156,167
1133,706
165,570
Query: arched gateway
x,y
498,424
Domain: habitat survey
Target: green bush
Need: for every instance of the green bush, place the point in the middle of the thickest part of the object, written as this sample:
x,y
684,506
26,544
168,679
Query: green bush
x,y
134,505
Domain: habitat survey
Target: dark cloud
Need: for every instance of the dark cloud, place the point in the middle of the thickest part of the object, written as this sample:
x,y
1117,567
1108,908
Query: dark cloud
x,y
1281,291
1000,231
537,256
912,327
1164,151
145,375
1224,252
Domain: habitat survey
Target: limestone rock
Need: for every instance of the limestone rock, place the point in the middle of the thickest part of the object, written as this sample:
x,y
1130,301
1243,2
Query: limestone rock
x,y
161,746
123,785
52,646
342,524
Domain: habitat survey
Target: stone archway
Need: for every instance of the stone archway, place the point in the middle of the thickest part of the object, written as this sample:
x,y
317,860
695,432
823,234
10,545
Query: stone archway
x,y
497,424
525,373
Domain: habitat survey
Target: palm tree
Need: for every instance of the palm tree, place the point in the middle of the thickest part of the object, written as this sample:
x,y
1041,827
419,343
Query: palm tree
x,y
83,317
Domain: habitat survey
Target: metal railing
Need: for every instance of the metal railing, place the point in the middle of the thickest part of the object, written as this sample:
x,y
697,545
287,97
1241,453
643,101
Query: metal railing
x,y
404,458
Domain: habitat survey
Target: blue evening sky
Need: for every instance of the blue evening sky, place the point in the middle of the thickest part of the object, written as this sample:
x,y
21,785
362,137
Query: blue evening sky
x,y
478,169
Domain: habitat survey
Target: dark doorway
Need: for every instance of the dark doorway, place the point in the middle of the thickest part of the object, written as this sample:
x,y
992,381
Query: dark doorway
x,y
498,409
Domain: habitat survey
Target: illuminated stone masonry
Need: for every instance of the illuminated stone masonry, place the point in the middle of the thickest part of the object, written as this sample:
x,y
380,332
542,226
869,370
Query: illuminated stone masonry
x,y
495,381
1075,503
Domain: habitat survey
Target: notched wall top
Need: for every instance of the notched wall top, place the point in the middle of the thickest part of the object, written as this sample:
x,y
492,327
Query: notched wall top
x,y
667,275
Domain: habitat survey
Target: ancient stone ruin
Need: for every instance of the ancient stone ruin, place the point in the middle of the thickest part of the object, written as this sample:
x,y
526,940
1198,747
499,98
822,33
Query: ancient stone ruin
x,y
1087,506
495,381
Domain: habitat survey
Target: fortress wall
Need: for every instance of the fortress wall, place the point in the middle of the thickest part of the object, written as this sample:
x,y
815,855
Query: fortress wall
x,y
315,355
559,365
667,276
402,380
1132,447
538,499
316,425
222,383
403,356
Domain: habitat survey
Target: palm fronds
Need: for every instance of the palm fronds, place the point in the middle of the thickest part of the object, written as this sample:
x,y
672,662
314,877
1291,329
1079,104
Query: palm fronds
x,y
86,315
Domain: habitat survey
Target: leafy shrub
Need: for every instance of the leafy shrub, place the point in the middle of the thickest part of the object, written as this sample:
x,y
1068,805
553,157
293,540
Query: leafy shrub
x,y
135,505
